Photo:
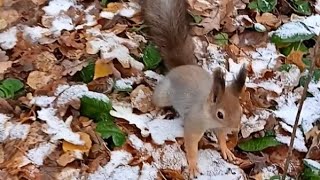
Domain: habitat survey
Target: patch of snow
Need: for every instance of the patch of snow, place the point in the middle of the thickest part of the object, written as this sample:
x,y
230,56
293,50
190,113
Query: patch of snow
x,y
124,83
127,12
254,123
125,172
162,129
286,127
298,144
312,163
35,33
58,128
8,38
216,58
136,142
118,158
213,166
107,15
264,58
140,121
68,173
42,101
153,75
5,127
291,78
56,6
68,93
313,23
269,171
90,19
270,85
287,110
113,47
20,131
148,172
290,29
169,157
38,154
61,23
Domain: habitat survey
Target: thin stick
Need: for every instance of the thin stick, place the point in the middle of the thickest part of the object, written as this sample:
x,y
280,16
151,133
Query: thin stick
x,y
303,97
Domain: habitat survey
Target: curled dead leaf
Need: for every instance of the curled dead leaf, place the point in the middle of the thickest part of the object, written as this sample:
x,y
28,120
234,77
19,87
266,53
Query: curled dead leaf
x,y
295,57
66,146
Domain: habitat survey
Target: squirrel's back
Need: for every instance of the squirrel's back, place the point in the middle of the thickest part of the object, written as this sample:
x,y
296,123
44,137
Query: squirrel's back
x,y
169,29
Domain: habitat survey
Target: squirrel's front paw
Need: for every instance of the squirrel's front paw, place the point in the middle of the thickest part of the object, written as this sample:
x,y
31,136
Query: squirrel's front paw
x,y
193,170
227,154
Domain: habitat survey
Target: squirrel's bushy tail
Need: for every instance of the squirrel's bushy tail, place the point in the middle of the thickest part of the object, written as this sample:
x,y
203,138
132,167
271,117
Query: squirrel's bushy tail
x,y
169,30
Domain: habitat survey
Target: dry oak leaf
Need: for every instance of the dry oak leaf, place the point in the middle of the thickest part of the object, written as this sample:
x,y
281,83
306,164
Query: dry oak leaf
x,y
102,69
295,57
66,146
9,15
38,79
45,61
268,19
66,158
72,67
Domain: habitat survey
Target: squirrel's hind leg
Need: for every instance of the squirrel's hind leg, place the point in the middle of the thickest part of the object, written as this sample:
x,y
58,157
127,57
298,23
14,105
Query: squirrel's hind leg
x,y
160,96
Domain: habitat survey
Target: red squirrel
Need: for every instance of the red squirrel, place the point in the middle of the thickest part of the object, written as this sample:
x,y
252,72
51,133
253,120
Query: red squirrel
x,y
202,99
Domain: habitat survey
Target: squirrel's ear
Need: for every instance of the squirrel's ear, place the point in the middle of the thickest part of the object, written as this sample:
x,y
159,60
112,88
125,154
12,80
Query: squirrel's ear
x,y
238,83
218,86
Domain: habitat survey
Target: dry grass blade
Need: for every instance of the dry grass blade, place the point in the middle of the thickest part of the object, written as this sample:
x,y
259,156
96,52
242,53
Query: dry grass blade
x,y
303,97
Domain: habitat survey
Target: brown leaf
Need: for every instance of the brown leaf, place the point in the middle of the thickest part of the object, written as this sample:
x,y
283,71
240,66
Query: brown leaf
x,y
295,57
66,146
4,66
38,79
10,15
45,61
141,98
268,19
66,158
72,67
253,38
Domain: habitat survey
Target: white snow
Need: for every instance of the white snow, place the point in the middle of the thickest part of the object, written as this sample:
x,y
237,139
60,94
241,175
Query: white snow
x,y
169,157
113,47
38,154
162,129
270,85
42,101
20,131
153,75
148,172
290,29
264,58
124,83
56,6
8,38
35,33
118,159
5,127
298,144
61,23
312,163
254,123
269,171
106,14
58,128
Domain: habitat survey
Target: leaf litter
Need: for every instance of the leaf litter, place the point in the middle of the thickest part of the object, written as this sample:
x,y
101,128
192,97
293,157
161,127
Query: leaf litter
x,y
50,55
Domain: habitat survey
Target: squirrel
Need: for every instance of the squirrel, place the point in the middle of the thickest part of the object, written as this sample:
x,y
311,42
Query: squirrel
x,y
202,99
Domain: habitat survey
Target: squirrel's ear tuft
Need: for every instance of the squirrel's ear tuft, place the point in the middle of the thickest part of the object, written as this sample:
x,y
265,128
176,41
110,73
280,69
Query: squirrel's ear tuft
x,y
218,86
238,84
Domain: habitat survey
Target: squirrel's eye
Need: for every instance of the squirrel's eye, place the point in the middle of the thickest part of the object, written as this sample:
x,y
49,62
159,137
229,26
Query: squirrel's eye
x,y
220,115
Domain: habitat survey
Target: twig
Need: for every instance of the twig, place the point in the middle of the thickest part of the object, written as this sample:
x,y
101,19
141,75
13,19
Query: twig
x,y
303,97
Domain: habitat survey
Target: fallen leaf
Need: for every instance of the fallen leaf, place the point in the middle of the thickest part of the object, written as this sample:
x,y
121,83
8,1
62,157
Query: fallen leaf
x,y
66,146
45,61
295,57
269,20
72,67
38,79
66,158
141,98
10,15
5,66
114,7
102,69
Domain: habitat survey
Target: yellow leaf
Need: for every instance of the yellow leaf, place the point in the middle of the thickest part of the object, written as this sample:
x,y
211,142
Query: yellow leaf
x,y
66,146
295,57
113,7
102,69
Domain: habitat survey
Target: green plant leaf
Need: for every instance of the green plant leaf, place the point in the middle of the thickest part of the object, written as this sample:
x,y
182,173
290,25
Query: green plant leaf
x,y
9,87
94,108
291,32
294,46
87,73
258,144
104,2
285,67
109,129
197,18
253,5
266,5
302,6
311,170
221,39
151,56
